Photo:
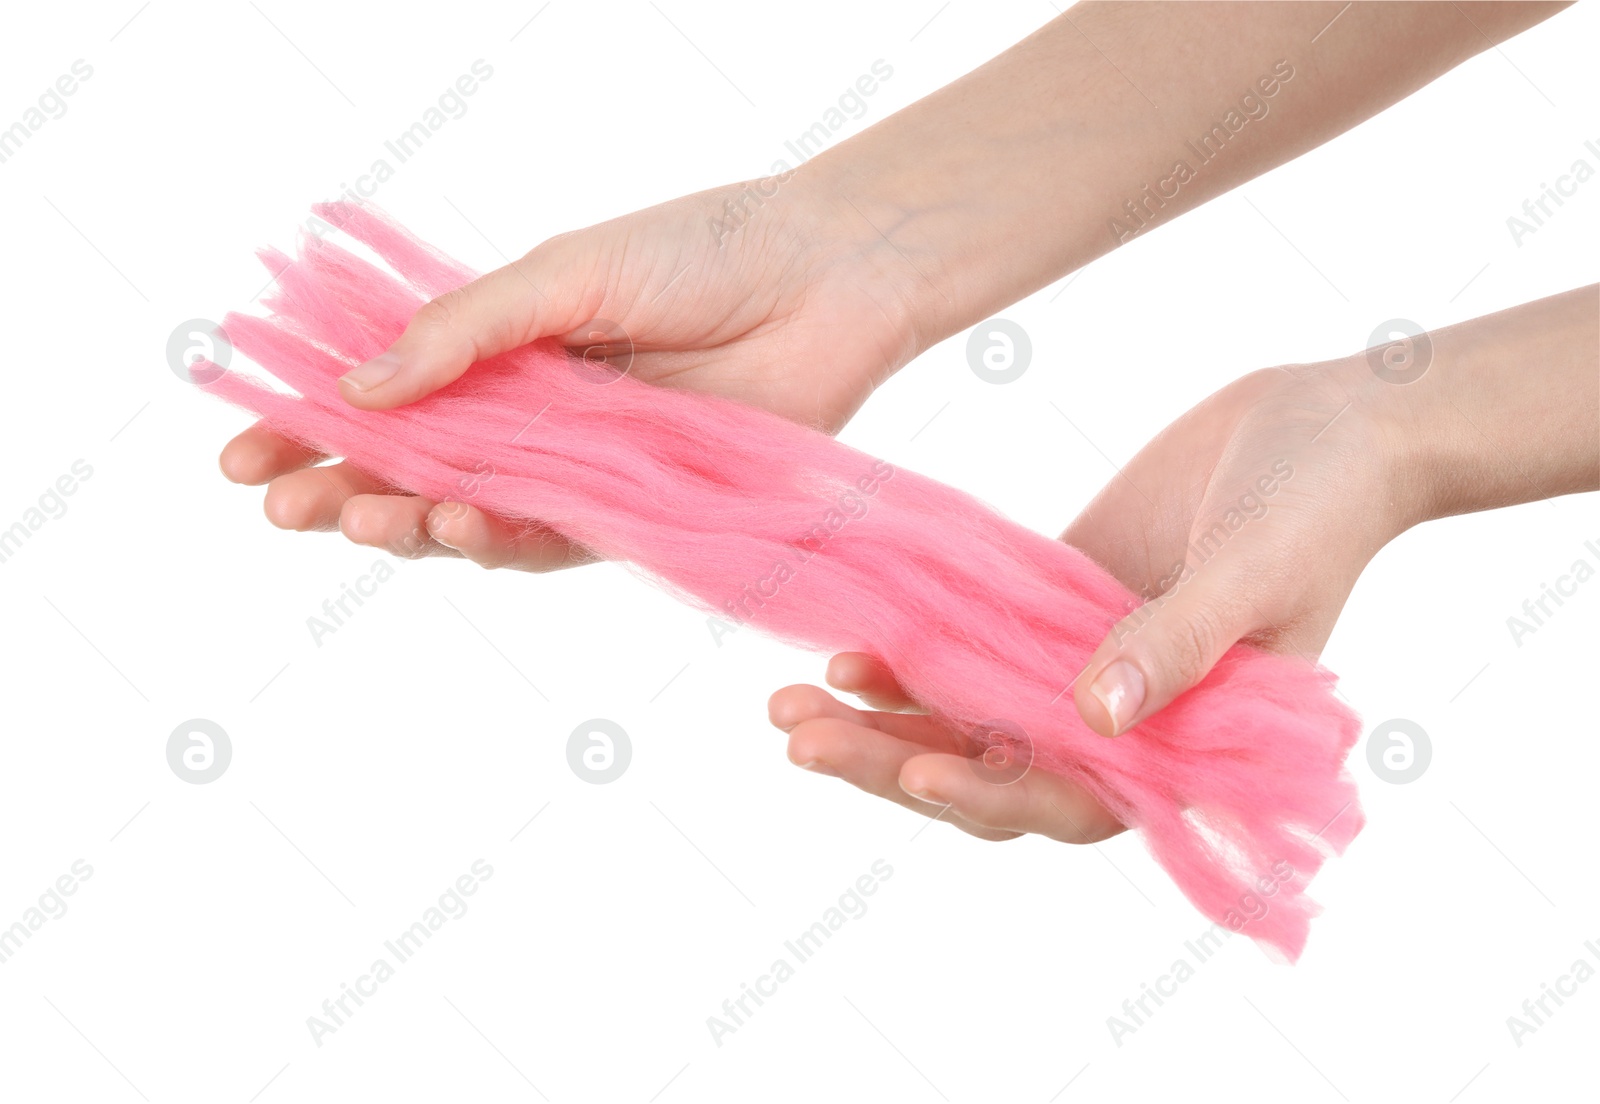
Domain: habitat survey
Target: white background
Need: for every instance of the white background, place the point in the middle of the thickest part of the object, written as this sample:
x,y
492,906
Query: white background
x,y
370,772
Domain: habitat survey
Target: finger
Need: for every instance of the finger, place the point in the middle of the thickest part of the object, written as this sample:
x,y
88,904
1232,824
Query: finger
x,y
395,523
868,679
1168,645
492,542
534,297
1038,802
870,761
258,455
793,705
311,499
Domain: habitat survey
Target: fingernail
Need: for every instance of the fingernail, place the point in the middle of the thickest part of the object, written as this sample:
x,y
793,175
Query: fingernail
x,y
364,377
1120,691
435,522
925,794
816,766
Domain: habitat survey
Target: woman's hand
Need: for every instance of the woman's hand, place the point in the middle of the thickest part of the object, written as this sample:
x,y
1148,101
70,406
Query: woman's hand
x,y
802,294
770,292
1249,518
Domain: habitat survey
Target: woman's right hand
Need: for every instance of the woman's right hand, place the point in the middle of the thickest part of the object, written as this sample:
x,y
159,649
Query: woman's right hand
x,y
1249,519
772,292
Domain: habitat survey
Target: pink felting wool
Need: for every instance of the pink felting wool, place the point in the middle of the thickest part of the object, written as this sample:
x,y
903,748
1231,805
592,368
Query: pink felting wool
x,y
763,522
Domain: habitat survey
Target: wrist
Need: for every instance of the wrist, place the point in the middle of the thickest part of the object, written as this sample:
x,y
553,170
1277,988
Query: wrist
x,y
1397,435
879,231
1491,412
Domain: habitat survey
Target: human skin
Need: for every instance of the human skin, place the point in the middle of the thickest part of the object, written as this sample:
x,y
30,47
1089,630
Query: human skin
x,y
898,237
879,248
1507,410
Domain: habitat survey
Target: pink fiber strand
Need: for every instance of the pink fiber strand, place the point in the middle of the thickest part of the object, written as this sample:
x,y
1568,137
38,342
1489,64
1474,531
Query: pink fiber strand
x,y
763,522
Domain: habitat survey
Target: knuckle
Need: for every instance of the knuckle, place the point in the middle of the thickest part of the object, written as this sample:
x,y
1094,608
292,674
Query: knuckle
x,y
437,317
449,330
1190,642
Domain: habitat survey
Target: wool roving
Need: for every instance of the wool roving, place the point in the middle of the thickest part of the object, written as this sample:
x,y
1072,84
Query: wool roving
x,y
1238,787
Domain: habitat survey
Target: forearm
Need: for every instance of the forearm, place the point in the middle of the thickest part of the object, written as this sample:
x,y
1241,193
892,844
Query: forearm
x,y
1506,410
1115,118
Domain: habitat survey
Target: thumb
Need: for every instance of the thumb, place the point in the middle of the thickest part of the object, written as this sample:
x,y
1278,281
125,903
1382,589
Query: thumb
x,y
495,313
1163,648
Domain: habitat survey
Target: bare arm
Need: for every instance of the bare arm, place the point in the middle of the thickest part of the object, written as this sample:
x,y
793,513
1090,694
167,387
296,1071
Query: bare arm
x,y
1115,118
